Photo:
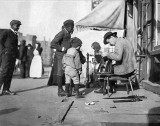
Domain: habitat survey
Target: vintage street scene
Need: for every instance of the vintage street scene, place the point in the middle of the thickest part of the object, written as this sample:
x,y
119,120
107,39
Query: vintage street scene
x,y
80,63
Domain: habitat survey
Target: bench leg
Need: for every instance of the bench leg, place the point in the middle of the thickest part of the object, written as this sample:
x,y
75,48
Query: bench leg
x,y
127,88
106,84
131,85
104,87
108,87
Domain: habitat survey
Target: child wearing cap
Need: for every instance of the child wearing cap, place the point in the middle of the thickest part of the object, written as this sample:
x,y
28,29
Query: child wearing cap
x,y
72,67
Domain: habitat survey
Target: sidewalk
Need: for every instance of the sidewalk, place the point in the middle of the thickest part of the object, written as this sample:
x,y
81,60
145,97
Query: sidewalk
x,y
38,105
107,113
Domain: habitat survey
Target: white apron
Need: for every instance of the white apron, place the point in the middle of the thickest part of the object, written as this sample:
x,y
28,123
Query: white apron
x,y
36,65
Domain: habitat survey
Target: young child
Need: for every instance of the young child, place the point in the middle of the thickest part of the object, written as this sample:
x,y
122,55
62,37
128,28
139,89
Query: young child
x,y
72,67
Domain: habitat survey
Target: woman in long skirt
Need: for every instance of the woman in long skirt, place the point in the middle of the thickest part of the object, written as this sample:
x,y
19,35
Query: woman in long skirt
x,y
36,64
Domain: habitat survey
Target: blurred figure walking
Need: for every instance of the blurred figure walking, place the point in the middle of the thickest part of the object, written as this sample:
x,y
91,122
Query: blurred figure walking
x,y
23,58
29,59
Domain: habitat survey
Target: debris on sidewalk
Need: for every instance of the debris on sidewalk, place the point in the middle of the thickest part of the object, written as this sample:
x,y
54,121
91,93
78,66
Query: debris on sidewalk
x,y
133,98
64,100
129,97
113,106
128,100
89,103
39,116
101,110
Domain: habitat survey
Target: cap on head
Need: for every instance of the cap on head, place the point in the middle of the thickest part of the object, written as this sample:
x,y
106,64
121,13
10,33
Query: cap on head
x,y
29,45
68,23
23,42
15,22
107,35
96,46
75,42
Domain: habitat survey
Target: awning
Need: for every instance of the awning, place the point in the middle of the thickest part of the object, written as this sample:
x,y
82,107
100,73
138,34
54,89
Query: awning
x,y
107,15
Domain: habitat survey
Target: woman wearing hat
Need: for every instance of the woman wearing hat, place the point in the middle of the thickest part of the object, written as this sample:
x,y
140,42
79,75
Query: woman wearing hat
x,y
60,43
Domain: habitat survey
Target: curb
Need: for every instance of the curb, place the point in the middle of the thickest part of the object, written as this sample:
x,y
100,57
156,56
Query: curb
x,y
153,87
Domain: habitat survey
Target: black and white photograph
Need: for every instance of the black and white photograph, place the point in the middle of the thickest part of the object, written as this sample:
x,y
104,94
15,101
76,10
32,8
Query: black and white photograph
x,y
79,62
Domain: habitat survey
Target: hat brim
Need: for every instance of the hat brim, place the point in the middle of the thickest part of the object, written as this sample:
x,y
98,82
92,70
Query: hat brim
x,y
113,33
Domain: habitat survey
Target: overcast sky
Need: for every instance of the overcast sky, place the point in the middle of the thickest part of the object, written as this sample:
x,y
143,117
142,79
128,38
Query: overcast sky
x,y
43,18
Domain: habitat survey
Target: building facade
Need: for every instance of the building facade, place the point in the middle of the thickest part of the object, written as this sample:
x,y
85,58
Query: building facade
x,y
149,35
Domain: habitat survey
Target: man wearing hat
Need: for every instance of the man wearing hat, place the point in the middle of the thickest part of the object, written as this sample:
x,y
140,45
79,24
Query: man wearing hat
x,y
60,43
8,54
123,54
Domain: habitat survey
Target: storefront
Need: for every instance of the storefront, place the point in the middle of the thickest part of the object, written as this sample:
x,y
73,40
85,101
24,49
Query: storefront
x,y
142,27
149,33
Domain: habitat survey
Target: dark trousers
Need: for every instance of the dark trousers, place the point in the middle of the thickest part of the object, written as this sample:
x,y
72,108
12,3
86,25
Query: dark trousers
x,y
7,68
23,69
28,64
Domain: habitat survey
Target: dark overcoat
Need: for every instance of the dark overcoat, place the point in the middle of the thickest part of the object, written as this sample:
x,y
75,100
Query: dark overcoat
x,y
60,41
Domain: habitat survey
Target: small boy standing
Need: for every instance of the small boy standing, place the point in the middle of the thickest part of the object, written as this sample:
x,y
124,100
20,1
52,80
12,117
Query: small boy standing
x,y
72,67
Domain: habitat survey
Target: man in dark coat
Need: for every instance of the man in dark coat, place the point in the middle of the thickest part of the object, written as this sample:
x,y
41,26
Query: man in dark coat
x,y
29,58
60,43
23,58
8,53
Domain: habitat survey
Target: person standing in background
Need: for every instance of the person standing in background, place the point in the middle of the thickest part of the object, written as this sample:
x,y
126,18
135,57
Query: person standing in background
x,y
60,43
36,64
23,58
8,53
29,59
40,50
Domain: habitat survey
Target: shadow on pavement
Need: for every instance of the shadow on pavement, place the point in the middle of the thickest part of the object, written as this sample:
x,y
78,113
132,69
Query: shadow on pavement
x,y
87,91
154,117
6,111
45,86
18,77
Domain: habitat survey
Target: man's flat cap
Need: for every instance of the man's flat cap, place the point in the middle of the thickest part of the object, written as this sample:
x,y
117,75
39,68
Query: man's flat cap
x,y
107,35
29,45
68,22
15,22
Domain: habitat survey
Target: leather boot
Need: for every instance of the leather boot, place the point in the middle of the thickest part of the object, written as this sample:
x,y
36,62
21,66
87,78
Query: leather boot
x,y
78,94
112,87
61,92
67,90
